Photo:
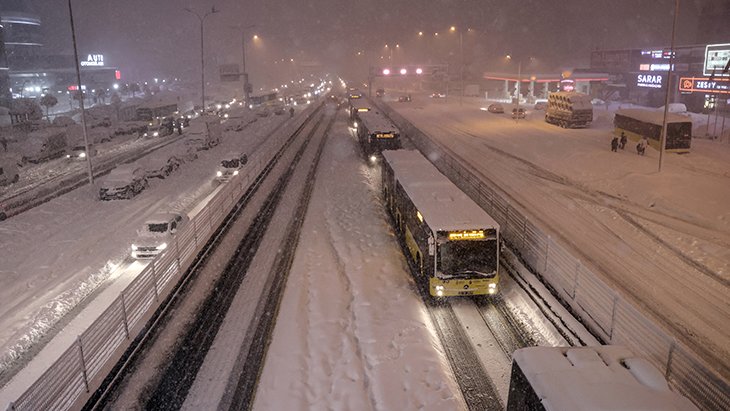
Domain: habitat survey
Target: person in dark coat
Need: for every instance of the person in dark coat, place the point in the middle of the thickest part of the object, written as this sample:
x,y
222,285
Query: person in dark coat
x,y
291,112
614,143
622,142
179,124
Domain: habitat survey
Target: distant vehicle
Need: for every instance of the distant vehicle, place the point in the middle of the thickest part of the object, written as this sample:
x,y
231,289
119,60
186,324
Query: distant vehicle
x,y
518,113
230,166
379,92
495,108
131,127
159,167
569,109
637,123
8,172
156,131
404,99
438,95
78,152
606,377
157,234
540,105
279,110
43,144
123,182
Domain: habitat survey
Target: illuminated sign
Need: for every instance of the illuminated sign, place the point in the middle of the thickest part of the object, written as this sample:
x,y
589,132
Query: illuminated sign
x,y
117,74
649,80
75,87
567,85
361,109
93,60
716,59
654,67
384,135
467,235
705,85
657,54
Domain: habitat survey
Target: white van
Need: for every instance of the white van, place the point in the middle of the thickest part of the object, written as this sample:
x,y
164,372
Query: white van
x,y
8,172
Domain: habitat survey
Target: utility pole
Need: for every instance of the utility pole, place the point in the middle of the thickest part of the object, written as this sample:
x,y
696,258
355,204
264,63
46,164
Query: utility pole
x,y
663,141
81,95
246,86
202,59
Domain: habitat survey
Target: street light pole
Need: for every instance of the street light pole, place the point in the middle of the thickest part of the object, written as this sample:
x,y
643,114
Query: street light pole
x,y
663,141
81,95
202,58
461,72
246,87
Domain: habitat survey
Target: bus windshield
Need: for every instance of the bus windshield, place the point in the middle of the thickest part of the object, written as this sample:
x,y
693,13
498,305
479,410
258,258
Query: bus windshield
x,y
463,259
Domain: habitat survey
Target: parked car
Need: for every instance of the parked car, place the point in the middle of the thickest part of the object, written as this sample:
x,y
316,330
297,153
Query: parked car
x,y
159,167
518,113
78,152
230,165
123,182
158,130
404,99
495,108
204,133
438,95
8,172
157,233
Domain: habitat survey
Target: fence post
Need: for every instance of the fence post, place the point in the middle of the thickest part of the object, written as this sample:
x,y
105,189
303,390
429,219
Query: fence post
x,y
668,372
575,280
524,234
613,316
124,315
83,363
547,249
154,280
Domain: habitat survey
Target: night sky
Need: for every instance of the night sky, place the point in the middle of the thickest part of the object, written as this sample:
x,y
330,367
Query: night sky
x,y
148,38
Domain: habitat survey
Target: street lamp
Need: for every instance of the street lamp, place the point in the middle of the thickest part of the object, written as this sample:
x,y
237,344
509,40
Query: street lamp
x,y
246,85
81,94
202,59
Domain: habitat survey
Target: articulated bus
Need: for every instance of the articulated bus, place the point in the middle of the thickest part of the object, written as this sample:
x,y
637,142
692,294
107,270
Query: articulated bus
x,y
451,243
376,133
154,111
604,377
356,106
638,123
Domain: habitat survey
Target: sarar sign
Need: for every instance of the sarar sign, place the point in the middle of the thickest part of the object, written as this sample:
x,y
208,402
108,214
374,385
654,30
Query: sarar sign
x,y
650,80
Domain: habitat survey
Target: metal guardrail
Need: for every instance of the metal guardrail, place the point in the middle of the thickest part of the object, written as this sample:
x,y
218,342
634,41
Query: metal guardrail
x,y
603,310
80,370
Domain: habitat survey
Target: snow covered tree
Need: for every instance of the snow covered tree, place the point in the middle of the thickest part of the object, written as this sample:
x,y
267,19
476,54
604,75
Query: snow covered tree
x,y
48,101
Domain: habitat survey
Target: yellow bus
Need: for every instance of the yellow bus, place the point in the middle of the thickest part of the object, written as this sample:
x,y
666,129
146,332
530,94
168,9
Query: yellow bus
x,y
637,123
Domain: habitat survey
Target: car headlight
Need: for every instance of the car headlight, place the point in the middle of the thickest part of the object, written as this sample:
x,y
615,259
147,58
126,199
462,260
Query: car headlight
x,y
219,173
155,134
134,247
162,246
145,134
82,155
235,173
439,288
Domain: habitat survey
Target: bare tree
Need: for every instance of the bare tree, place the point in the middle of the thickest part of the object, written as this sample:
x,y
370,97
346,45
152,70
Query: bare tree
x,y
48,101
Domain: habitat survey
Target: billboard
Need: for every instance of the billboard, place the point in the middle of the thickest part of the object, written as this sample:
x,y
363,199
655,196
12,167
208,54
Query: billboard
x,y
230,72
705,85
716,59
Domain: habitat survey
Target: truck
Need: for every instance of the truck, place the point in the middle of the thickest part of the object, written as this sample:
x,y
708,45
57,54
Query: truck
x,y
43,144
204,133
569,109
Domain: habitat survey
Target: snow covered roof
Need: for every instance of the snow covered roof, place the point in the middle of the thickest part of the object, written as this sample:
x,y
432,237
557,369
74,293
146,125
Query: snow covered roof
x,y
442,205
596,378
360,103
375,122
653,116
577,101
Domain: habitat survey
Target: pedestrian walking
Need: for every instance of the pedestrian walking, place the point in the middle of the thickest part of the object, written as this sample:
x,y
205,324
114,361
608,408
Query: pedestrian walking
x,y
614,144
622,142
291,112
641,146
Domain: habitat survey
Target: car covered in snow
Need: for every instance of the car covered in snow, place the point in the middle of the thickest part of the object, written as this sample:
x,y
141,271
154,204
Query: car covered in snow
x,y
8,172
156,166
78,152
230,166
157,234
43,145
495,108
123,182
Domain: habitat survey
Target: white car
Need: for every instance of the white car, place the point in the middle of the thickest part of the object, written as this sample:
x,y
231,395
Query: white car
x,y
230,166
123,182
157,234
79,152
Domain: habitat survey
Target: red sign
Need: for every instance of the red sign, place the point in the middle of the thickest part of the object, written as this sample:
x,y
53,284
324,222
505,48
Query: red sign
x,y
705,85
117,74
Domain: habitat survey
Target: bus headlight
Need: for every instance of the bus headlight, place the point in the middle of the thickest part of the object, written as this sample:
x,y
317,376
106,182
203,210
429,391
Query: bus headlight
x,y
373,159
492,288
162,246
219,173
440,293
235,173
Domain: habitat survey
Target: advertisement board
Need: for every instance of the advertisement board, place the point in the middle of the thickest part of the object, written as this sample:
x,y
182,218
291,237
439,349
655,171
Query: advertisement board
x,y
716,60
